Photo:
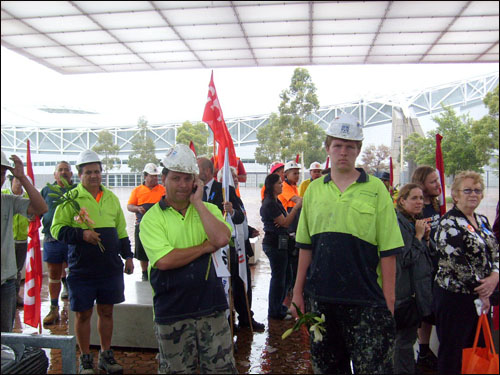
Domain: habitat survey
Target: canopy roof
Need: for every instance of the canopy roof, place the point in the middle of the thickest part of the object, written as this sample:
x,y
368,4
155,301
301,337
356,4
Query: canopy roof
x,y
108,36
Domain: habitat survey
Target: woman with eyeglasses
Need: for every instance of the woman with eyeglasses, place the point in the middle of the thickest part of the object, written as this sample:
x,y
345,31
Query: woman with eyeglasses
x,y
467,271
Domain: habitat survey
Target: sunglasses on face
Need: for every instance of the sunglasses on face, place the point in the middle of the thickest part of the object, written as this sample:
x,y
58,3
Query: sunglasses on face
x,y
469,191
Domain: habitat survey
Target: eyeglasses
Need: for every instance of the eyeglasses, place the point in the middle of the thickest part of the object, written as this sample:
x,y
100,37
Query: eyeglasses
x,y
469,191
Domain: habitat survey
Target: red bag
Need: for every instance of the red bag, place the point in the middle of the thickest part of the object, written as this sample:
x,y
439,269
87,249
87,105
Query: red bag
x,y
481,360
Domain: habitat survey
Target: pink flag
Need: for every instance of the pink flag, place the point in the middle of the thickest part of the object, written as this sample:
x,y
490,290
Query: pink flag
x,y
33,280
440,171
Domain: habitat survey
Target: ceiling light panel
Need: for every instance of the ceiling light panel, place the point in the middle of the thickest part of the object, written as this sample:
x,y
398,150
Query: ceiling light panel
x,y
169,56
342,40
84,37
451,49
352,10
224,54
62,24
470,37
145,34
43,52
129,20
177,65
486,23
280,52
209,31
163,46
407,38
346,26
277,28
415,24
114,59
273,13
215,44
481,8
25,9
417,9
190,4
279,41
15,27
100,49
35,40
67,61
113,6
193,17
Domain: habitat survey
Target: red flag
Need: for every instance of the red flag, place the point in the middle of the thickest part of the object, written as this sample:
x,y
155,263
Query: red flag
x,y
33,280
297,158
440,171
215,120
191,146
327,162
391,172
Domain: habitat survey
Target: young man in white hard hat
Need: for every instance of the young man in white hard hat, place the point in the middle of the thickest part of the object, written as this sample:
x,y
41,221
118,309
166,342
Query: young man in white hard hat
x,y
348,237
315,172
179,234
142,198
12,205
55,253
95,268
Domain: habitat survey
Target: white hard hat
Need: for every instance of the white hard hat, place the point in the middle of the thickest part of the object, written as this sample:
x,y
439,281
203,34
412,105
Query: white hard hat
x,y
87,156
151,169
5,161
347,127
291,165
315,165
181,158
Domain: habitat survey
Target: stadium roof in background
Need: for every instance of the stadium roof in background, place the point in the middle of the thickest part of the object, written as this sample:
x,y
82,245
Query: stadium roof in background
x,y
73,37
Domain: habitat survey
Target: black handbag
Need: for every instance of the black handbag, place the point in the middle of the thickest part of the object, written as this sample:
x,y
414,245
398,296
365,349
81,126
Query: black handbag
x,y
406,314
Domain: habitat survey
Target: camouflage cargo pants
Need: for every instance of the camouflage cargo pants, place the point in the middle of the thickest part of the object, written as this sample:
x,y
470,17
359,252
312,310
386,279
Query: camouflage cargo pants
x,y
189,343
362,334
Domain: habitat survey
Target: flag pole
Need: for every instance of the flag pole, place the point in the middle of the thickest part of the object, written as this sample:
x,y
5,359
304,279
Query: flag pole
x,y
248,309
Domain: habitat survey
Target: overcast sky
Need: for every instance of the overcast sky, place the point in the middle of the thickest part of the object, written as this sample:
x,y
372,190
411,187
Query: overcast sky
x,y
178,95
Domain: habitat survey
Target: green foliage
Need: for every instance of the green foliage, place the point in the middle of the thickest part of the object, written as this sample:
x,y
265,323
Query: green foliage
x,y
310,321
107,147
485,131
375,159
143,148
459,151
198,133
289,133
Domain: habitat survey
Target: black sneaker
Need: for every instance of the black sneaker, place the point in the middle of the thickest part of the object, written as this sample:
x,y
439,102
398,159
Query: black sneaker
x,y
86,364
427,362
107,363
144,275
257,327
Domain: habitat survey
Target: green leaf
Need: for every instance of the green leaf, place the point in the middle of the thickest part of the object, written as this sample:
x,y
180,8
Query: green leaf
x,y
55,188
54,195
287,333
76,205
65,183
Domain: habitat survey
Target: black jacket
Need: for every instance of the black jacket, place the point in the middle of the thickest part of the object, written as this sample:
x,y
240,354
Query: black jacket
x,y
414,262
215,196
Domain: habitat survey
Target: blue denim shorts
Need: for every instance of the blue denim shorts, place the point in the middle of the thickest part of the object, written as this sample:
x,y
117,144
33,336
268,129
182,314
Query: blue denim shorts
x,y
55,252
83,292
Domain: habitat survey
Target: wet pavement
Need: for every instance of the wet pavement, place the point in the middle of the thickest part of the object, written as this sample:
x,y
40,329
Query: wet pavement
x,y
261,353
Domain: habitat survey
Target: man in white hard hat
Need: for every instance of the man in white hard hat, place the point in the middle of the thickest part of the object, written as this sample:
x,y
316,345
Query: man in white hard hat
x,y
142,198
12,205
349,236
95,268
179,234
55,253
315,172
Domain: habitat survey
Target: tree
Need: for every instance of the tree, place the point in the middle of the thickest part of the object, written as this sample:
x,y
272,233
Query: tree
x,y
198,133
459,153
375,159
143,148
289,133
107,147
485,131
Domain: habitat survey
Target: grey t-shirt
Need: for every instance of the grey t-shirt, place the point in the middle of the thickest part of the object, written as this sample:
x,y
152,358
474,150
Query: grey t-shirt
x,y
11,205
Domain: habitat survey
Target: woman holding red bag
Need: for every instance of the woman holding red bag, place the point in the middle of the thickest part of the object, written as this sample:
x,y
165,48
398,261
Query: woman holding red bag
x,y
467,270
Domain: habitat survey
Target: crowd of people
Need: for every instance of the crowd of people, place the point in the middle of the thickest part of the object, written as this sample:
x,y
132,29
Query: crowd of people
x,y
381,272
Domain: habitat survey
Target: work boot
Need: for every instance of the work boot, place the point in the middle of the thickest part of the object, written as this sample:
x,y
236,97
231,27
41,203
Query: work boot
x,y
52,316
427,362
144,275
257,327
107,363
64,293
86,364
